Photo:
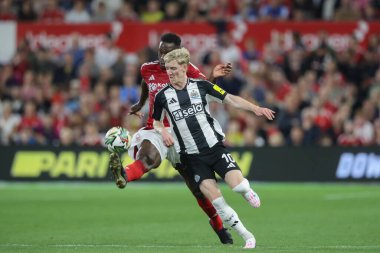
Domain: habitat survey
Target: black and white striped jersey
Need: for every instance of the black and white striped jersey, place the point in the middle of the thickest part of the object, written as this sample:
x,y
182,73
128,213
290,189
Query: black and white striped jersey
x,y
189,114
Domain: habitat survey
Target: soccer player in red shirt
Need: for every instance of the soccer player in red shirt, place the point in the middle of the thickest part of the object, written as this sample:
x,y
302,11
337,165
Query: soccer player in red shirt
x,y
147,147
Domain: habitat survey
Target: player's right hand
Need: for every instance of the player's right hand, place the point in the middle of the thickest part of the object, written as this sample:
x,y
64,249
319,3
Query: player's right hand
x,y
261,111
136,110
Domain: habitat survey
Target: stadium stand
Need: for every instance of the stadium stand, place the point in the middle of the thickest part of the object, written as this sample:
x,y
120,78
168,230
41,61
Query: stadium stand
x,y
322,96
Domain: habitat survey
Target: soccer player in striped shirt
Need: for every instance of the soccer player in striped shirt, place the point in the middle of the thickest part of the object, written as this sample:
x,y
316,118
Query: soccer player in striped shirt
x,y
147,147
198,137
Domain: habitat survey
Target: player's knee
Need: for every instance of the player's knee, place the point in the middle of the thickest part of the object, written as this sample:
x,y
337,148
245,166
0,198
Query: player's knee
x,y
197,193
243,187
150,162
154,159
210,189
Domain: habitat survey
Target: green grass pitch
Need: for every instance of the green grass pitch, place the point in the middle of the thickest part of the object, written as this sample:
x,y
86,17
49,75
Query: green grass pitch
x,y
164,217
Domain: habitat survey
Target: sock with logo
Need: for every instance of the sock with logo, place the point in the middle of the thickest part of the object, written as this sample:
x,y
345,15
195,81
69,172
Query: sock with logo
x,y
135,170
215,220
230,218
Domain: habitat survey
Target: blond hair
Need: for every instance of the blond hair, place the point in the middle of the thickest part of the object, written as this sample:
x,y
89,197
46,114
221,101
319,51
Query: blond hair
x,y
181,55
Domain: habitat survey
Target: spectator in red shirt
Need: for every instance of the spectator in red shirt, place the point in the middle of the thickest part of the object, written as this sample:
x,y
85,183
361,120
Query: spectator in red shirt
x,y
347,138
52,13
30,118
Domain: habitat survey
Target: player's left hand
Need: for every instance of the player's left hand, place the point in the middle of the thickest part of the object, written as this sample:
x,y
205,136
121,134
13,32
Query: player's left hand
x,y
268,113
221,70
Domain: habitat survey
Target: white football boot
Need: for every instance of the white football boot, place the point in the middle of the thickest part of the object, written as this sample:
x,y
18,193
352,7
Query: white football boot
x,y
250,243
253,199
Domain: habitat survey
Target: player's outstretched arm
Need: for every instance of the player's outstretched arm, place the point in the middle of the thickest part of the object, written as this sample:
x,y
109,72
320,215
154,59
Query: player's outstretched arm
x,y
241,103
144,93
167,138
220,70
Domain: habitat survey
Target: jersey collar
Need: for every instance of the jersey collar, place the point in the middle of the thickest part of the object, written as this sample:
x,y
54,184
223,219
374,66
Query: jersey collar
x,y
184,88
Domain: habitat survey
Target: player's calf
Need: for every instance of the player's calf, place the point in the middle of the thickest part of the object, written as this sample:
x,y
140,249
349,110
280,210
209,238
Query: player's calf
x,y
231,219
215,221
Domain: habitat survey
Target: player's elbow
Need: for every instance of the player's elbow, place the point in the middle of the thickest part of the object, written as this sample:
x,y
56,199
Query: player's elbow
x,y
231,100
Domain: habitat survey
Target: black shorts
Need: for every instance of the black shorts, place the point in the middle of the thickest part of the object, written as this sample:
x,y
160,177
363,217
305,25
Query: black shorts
x,y
204,165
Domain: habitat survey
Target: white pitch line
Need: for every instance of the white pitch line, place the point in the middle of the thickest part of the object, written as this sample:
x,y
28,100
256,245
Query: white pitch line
x,y
327,247
104,246
17,245
126,246
295,247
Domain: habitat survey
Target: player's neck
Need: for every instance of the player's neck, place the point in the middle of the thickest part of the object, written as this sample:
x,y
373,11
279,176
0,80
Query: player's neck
x,y
180,84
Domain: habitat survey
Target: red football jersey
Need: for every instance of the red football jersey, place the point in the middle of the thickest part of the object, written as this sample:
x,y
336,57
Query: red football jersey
x,y
156,79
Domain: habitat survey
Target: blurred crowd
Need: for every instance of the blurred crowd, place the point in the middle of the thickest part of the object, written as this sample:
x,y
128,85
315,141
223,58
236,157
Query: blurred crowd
x,y
152,11
321,97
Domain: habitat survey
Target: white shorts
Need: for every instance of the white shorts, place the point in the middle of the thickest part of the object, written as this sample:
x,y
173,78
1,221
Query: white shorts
x,y
156,139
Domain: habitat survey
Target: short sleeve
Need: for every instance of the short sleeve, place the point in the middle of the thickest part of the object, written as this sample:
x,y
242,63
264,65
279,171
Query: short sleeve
x,y
158,108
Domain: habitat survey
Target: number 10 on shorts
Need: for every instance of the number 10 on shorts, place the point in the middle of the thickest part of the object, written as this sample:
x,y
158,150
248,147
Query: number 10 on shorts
x,y
228,158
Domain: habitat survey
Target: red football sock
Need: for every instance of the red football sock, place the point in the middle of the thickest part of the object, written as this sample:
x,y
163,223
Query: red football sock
x,y
208,208
135,170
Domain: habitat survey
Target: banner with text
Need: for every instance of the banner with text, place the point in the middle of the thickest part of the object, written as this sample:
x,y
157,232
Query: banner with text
x,y
195,36
287,164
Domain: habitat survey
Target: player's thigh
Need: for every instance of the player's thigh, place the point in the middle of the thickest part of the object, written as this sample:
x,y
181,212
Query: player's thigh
x,y
233,178
197,168
149,155
188,176
154,139
210,189
224,162
186,173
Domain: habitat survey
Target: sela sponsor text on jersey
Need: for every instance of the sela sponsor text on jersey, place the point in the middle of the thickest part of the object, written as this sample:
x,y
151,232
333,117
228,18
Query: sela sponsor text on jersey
x,y
187,112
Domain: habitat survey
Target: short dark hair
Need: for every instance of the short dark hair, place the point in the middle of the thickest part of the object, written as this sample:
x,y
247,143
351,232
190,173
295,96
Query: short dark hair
x,y
171,38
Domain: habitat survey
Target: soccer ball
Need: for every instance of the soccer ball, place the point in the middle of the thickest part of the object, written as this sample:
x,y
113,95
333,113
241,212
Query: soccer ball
x,y
117,139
